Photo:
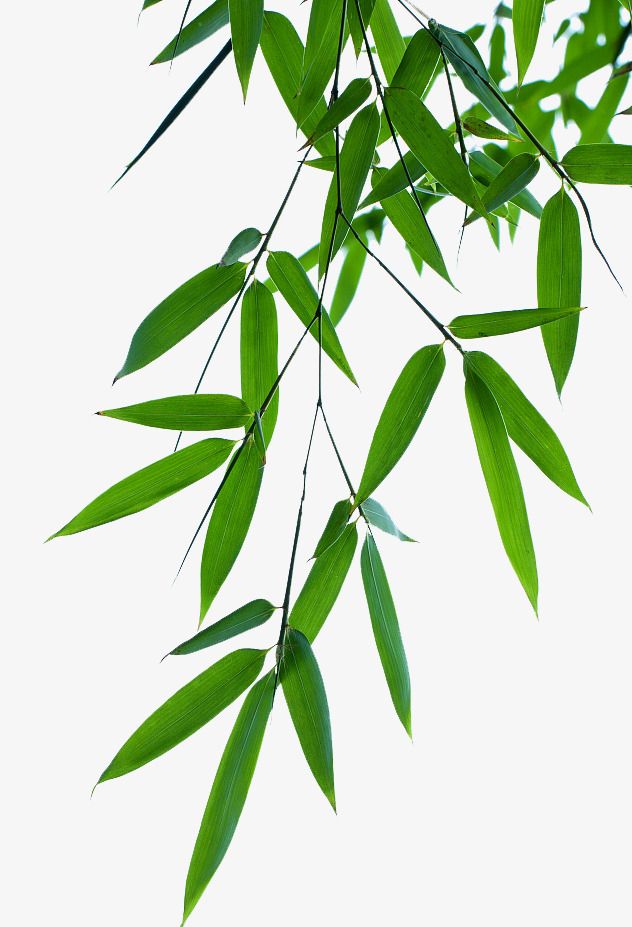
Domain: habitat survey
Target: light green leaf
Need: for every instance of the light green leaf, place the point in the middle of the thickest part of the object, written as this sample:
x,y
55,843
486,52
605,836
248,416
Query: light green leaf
x,y
394,179
348,280
306,699
197,412
243,243
560,280
527,18
151,484
192,706
389,43
181,313
377,515
366,11
229,791
259,353
386,630
249,616
246,22
503,482
353,96
406,218
512,179
402,415
487,324
336,524
482,129
607,164
418,64
485,169
202,27
321,49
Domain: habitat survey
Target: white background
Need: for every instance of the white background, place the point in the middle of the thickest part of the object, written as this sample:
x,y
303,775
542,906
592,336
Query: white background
x,y
513,805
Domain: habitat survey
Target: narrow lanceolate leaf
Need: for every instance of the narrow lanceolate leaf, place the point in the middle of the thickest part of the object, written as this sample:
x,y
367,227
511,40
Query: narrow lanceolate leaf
x,y
386,630
512,179
418,65
355,162
246,22
485,169
377,515
323,584
151,484
525,426
355,28
197,412
297,290
560,280
348,280
192,706
389,42
406,218
395,179
505,323
351,98
243,243
229,524
526,18
181,313
503,482
306,699
336,524
609,164
249,616
200,28
259,349
431,144
321,49
402,415
229,791
482,129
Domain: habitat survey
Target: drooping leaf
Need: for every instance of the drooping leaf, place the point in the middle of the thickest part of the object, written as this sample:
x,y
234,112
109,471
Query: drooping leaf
x,y
487,324
306,699
503,482
355,162
606,164
323,584
406,218
321,49
418,64
150,485
482,129
229,524
485,169
395,179
348,280
229,791
246,22
300,295
243,243
202,27
525,426
389,42
526,19
197,412
249,616
352,97
512,179
336,524
401,417
355,26
181,313
377,515
189,709
259,353
559,280
386,631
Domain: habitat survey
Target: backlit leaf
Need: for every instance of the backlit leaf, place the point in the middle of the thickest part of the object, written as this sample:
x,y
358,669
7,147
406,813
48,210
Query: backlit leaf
x,y
321,48
348,280
485,169
377,515
406,217
388,39
246,22
607,164
526,18
391,181
197,412
202,27
482,129
418,65
249,616
353,96
487,324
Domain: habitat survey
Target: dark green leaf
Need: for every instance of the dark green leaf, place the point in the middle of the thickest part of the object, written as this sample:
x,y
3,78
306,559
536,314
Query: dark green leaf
x,y
321,48
505,323
348,280
259,353
243,243
608,164
347,103
394,179
200,28
336,524
418,65
249,616
379,518
199,412
406,217
246,22
527,17
151,484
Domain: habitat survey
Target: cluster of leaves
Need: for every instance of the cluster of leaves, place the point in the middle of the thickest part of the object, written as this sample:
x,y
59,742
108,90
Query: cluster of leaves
x,y
486,159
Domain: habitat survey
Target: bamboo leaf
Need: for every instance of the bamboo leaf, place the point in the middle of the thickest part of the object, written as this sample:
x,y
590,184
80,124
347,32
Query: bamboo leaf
x,y
229,524
259,353
526,18
406,218
189,709
377,515
485,169
402,415
246,22
503,482
418,65
323,584
386,630
394,179
559,280
243,243
336,524
198,412
181,313
348,280
482,129
321,49
606,164
306,699
366,11
525,426
352,97
249,616
150,485
297,290
487,324
202,27
389,42
512,179
229,791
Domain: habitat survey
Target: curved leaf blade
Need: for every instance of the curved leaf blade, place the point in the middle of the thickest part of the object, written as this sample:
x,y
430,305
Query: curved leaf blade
x,y
259,350
196,412
511,181
249,616
321,48
243,243
351,98
418,65
336,524
405,216
348,280
488,324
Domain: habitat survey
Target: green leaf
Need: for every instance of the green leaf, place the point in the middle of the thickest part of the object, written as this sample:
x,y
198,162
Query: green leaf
x,y
401,417
487,324
306,699
151,484
377,515
560,280
394,179
229,524
525,426
406,217
321,50
482,129
347,103
202,27
485,169
297,290
503,482
348,280
336,524
418,64
181,313
512,179
229,791
497,50
246,22
607,164
431,144
595,126
527,17
356,157
192,706
249,616
386,630
259,353
323,584
197,412
366,11
389,42
243,243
